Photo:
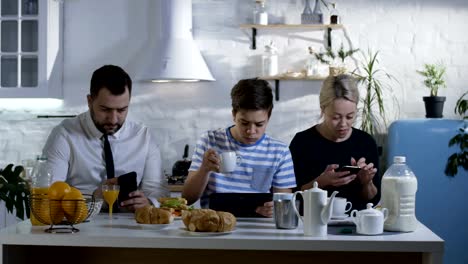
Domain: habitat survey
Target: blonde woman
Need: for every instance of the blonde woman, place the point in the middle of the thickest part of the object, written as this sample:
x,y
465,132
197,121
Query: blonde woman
x,y
320,152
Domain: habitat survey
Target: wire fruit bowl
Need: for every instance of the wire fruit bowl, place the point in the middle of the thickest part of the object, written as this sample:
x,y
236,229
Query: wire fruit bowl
x,y
63,213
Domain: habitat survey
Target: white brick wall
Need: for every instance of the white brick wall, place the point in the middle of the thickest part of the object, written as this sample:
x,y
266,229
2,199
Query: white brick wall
x,y
408,34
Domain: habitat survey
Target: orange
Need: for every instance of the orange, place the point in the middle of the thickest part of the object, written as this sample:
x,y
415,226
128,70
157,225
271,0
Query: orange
x,y
56,211
74,206
58,189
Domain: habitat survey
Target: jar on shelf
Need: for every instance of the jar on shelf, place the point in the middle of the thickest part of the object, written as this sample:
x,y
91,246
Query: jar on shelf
x,y
312,64
317,14
270,60
260,14
334,15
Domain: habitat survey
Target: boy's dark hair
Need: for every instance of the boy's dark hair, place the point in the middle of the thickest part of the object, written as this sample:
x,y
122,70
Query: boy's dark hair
x,y
252,94
112,77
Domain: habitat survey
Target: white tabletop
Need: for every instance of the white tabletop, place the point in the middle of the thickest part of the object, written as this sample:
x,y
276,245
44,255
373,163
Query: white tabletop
x,y
250,233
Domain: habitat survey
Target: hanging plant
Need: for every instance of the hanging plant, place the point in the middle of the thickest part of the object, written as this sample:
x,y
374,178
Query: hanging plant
x,y
459,159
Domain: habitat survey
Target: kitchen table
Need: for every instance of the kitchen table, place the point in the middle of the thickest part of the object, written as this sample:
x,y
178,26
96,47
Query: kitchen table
x,y
253,240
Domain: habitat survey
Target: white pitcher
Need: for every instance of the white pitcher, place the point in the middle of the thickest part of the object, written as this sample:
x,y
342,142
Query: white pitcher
x,y
317,211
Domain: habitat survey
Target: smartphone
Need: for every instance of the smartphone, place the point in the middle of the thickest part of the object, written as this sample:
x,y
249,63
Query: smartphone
x,y
351,169
128,184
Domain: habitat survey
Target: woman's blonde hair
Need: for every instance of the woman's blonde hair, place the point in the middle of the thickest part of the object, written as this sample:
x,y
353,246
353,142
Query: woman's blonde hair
x,y
340,86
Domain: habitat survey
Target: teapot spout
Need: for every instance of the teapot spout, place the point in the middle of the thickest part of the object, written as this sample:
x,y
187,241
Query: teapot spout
x,y
327,210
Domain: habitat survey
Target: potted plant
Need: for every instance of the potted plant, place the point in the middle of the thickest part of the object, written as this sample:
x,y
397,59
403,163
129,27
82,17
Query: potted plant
x,y
374,82
459,159
434,75
14,190
335,61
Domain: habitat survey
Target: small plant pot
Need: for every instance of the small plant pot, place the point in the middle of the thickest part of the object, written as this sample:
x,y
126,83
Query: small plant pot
x,y
337,70
434,106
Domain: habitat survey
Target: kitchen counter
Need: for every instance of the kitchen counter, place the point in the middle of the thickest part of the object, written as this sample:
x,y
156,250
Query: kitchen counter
x,y
176,187
254,239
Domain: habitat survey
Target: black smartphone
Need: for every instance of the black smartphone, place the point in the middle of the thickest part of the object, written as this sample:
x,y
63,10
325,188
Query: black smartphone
x,y
128,184
351,169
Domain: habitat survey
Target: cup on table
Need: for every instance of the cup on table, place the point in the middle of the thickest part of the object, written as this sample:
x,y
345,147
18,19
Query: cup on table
x,y
229,161
283,211
340,207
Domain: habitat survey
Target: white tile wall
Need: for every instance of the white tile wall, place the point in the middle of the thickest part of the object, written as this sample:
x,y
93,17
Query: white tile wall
x,y
408,34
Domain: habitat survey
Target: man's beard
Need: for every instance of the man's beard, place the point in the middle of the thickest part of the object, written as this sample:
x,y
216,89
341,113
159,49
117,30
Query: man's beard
x,y
101,126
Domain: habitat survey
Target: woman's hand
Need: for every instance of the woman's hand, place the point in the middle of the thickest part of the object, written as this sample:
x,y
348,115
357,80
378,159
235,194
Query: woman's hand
x,y
367,172
265,210
330,177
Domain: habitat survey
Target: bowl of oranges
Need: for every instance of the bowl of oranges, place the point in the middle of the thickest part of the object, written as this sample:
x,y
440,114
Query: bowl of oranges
x,y
61,205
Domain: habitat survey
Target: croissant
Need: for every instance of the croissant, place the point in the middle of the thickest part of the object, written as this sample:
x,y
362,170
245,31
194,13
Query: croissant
x,y
207,220
152,215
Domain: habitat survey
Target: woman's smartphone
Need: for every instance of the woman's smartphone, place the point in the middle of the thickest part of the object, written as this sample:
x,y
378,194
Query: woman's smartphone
x,y
351,169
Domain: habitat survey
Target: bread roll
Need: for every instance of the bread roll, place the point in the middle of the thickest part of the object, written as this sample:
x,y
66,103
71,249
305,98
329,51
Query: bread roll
x,y
142,215
207,220
227,223
152,215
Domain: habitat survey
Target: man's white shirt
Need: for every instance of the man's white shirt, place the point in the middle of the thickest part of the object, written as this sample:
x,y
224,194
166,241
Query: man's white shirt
x,y
75,153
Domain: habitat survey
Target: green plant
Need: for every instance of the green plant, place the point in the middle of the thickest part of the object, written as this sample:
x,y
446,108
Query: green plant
x,y
434,77
329,55
459,159
14,190
373,78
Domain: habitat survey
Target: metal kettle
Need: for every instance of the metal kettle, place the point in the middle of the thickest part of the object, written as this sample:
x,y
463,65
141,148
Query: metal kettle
x,y
180,167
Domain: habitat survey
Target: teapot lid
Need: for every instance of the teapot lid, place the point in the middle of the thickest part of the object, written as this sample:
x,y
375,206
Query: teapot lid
x,y
370,210
315,188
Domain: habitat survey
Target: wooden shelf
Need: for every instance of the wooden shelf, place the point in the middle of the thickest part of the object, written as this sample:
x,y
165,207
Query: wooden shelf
x,y
277,80
292,78
176,187
295,26
327,27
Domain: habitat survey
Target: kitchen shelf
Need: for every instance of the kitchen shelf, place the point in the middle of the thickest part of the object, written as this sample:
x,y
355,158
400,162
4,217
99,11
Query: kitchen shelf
x,y
310,27
277,80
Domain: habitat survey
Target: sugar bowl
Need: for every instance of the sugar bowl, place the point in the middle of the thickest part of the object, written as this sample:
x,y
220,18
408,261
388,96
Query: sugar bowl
x,y
369,221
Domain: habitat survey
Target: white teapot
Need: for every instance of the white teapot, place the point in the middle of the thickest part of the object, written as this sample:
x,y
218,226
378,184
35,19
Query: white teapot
x,y
369,221
317,210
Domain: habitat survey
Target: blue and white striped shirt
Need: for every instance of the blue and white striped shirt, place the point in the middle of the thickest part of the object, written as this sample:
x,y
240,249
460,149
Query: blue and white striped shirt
x,y
263,165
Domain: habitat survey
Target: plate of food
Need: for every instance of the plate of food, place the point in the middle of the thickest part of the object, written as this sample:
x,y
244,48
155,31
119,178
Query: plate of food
x,y
174,204
150,215
154,226
199,233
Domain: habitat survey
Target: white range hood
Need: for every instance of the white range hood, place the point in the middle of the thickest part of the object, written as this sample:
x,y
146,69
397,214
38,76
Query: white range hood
x,y
177,57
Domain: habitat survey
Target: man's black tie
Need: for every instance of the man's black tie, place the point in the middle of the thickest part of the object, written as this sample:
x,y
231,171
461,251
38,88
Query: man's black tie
x,y
109,158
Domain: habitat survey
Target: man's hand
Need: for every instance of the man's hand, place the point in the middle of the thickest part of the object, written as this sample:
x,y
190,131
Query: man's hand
x,y
137,200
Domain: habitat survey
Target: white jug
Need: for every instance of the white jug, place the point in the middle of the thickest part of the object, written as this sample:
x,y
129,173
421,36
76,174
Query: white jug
x,y
369,221
317,211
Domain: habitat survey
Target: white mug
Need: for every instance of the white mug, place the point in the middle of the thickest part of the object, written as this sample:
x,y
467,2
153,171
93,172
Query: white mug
x,y
229,161
340,207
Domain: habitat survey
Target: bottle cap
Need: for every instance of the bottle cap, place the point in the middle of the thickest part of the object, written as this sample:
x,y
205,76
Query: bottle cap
x,y
399,159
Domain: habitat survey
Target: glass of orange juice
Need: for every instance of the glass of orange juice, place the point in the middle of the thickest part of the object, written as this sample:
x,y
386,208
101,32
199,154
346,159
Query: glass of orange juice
x,y
110,194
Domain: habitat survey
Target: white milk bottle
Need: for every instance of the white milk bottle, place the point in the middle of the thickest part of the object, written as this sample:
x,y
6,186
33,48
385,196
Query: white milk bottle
x,y
399,186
